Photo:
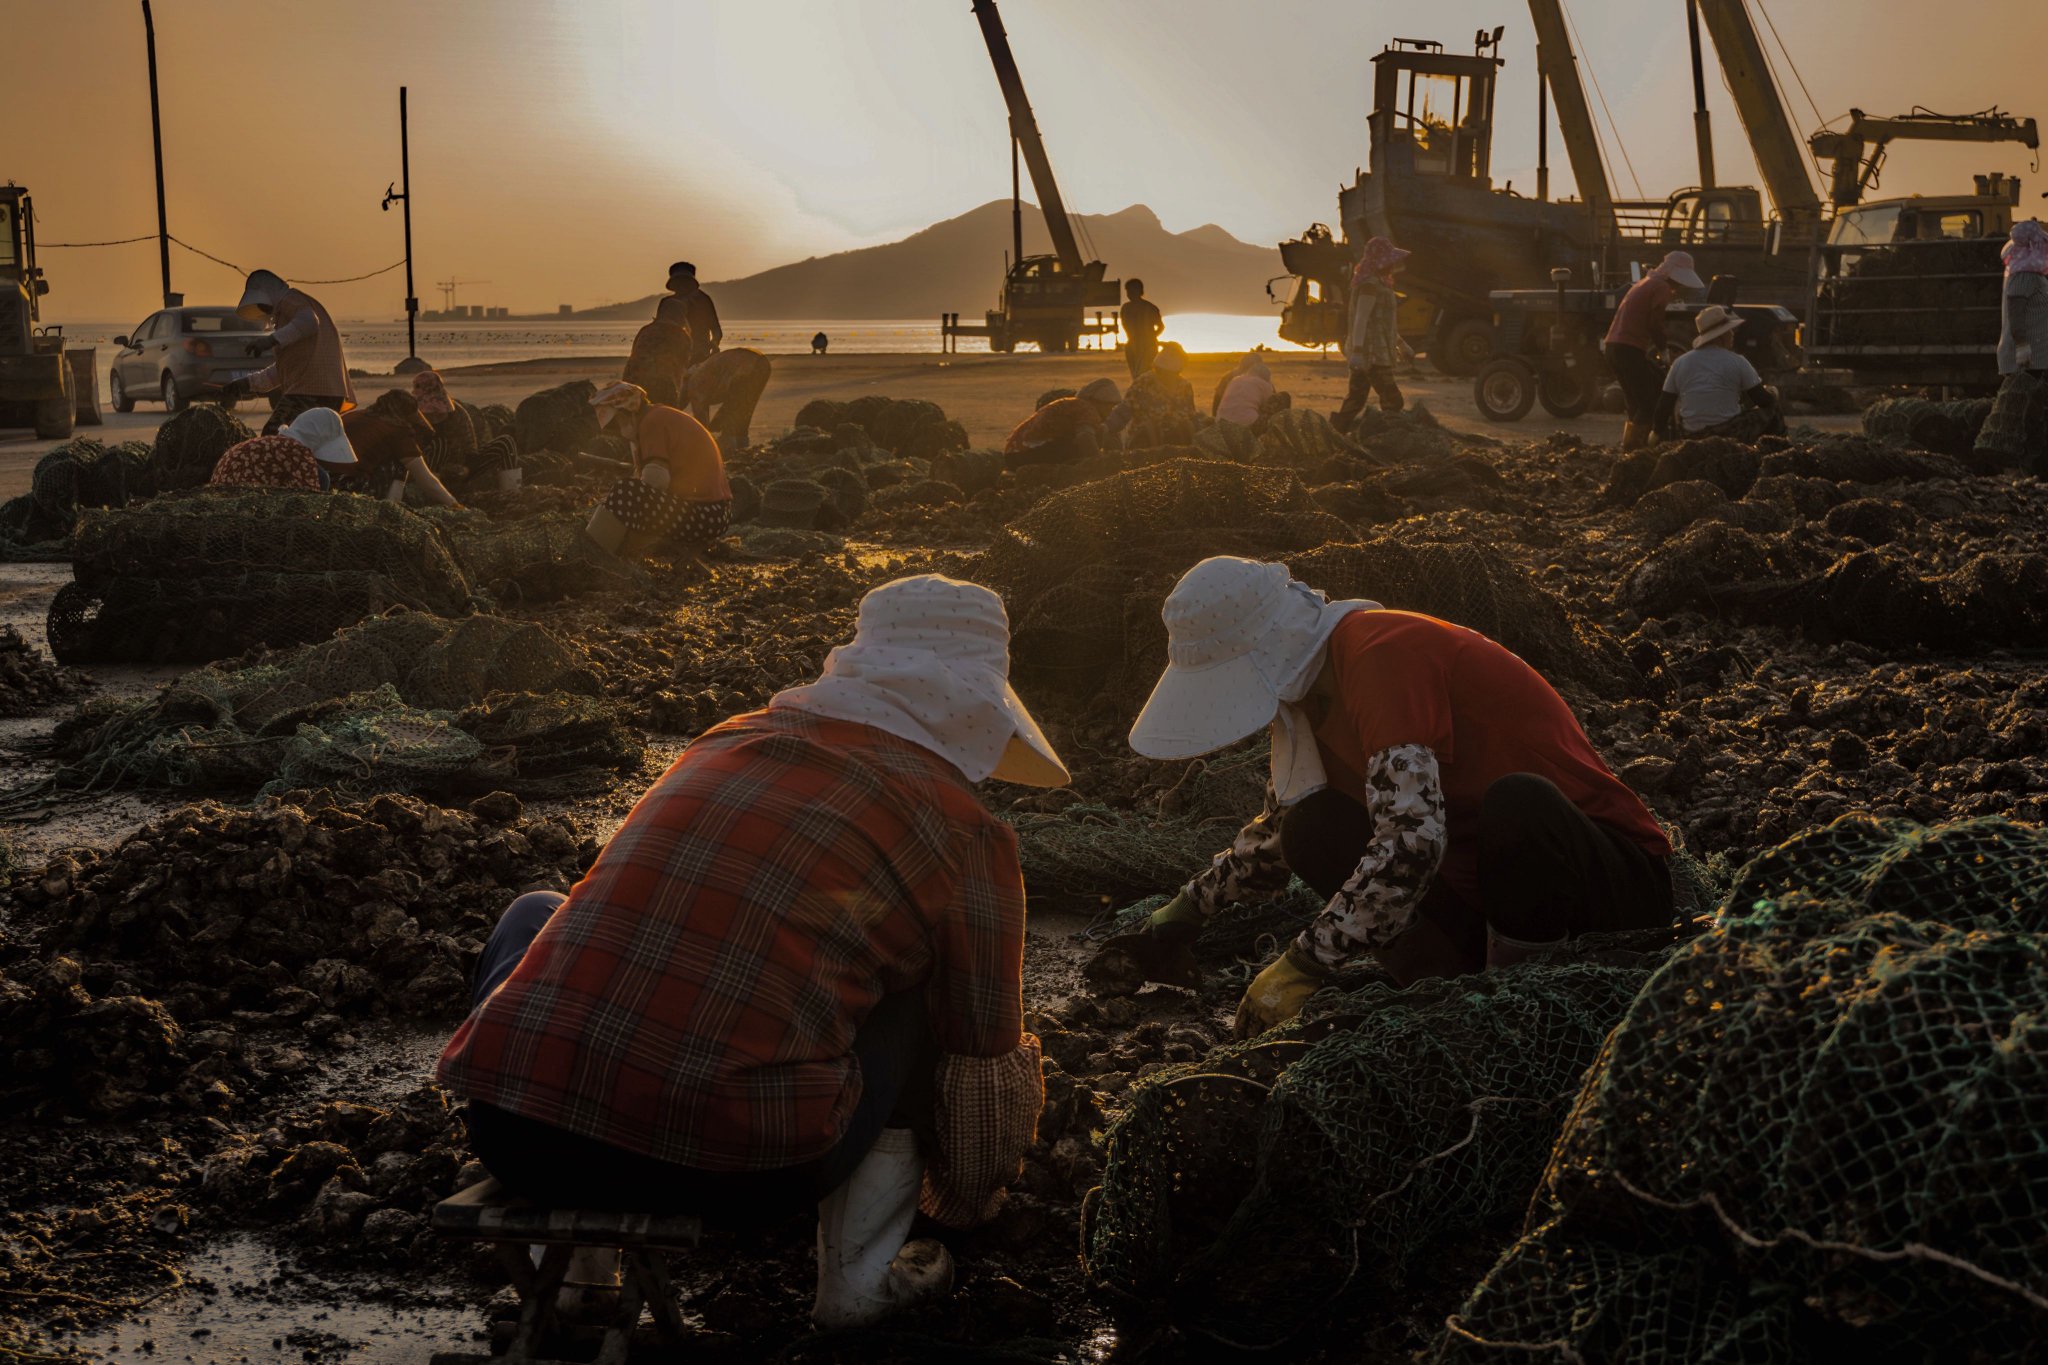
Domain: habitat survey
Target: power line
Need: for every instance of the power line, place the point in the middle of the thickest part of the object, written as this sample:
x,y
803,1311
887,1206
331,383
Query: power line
x,y
1586,60
118,241
1797,75
150,237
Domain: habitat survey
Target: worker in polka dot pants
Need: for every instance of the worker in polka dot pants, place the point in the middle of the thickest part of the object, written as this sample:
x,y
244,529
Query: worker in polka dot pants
x,y
679,495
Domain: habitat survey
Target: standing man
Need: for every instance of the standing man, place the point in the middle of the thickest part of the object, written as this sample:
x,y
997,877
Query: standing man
x,y
2015,434
733,380
700,314
1637,335
1142,326
309,369
1373,344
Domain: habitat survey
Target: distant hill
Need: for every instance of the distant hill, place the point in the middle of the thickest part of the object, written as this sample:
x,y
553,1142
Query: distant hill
x,y
956,267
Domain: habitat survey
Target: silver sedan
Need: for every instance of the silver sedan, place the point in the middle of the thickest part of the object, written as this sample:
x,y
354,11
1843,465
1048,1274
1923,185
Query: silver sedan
x,y
173,355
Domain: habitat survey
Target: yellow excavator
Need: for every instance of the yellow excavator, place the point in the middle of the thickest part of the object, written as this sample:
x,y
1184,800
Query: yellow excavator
x,y
1045,299
1429,187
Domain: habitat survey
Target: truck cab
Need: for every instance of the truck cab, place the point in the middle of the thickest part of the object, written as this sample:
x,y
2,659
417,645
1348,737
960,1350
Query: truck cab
x,y
1927,218
35,381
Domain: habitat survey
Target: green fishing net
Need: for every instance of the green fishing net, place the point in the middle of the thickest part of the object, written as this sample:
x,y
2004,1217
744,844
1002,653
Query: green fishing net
x,y
1817,1133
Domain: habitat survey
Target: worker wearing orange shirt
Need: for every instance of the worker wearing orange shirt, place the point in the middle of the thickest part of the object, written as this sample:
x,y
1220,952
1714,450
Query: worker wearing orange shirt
x,y
679,493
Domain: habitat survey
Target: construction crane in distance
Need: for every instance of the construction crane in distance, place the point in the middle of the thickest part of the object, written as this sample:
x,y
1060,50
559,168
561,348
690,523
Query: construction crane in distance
x,y
1045,299
448,288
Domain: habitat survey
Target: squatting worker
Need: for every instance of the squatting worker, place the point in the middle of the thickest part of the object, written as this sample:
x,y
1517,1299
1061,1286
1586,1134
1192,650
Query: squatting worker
x,y
2013,434
455,450
1064,430
679,493
1636,337
1712,390
700,314
1159,407
732,381
1245,393
1425,780
1142,324
390,438
305,455
1373,343
310,369
795,974
661,353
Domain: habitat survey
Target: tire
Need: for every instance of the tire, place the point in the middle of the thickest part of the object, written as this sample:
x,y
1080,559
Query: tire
x,y
1505,389
1567,393
117,392
55,418
1462,348
173,400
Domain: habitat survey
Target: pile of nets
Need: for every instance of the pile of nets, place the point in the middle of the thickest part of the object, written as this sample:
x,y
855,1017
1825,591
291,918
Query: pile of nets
x,y
908,427
211,572
1947,428
28,681
538,558
1949,289
1245,1193
1816,1134
1882,597
558,419
407,702
190,443
77,475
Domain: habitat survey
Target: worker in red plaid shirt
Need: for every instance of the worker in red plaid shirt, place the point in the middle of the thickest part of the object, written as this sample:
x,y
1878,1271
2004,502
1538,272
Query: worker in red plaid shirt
x,y
795,975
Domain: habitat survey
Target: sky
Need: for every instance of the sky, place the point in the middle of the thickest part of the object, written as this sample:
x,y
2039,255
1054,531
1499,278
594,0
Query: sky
x,y
565,151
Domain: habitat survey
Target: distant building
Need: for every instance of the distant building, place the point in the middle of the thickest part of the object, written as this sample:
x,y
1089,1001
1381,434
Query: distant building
x,y
565,309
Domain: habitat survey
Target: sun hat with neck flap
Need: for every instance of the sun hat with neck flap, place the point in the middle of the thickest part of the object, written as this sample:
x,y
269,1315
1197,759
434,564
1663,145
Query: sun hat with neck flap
x,y
320,431
930,662
1244,641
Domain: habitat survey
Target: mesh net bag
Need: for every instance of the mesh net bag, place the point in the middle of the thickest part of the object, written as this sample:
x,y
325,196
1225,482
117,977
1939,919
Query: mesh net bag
x,y
77,475
1946,428
408,702
533,559
906,426
1245,1193
559,419
1816,1134
191,443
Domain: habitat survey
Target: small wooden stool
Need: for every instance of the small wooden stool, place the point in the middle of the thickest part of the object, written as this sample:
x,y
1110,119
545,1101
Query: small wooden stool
x,y
487,1212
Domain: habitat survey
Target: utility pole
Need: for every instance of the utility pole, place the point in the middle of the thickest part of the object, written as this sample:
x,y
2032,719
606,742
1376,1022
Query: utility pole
x,y
404,196
156,132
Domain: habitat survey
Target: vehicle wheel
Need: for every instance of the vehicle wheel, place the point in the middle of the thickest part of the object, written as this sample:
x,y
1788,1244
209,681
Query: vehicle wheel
x,y
1566,393
1505,389
173,402
54,418
1462,348
117,393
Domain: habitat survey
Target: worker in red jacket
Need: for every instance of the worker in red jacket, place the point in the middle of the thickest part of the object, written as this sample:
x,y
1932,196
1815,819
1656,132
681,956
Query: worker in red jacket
x,y
1426,782
795,974
1636,336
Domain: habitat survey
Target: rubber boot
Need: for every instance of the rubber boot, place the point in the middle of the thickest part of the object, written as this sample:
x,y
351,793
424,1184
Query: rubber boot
x,y
510,480
1502,951
605,530
396,493
1634,436
865,1270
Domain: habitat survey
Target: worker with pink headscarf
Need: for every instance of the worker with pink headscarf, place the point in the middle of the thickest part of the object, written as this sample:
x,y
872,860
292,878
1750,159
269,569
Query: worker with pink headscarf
x,y
2015,435
1373,345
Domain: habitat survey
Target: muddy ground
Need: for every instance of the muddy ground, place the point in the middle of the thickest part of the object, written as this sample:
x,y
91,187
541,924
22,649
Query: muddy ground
x,y
222,1131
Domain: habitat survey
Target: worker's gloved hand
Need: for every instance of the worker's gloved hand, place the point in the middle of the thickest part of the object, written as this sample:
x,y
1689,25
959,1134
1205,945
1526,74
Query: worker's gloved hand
x,y
1278,993
234,390
258,345
1160,949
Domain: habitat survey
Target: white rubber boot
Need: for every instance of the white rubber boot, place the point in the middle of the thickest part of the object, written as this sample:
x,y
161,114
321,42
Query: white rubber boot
x,y
865,1270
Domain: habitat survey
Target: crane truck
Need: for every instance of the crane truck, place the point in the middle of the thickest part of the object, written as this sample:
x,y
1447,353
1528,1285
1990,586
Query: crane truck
x,y
1430,188
1045,298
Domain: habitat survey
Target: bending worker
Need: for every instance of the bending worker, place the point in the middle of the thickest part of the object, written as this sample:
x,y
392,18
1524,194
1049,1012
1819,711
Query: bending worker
x,y
1426,782
390,438
1635,338
1064,430
310,370
733,381
678,492
795,974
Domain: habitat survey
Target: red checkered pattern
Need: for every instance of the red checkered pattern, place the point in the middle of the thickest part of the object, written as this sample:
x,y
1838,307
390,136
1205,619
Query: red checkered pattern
x,y
695,998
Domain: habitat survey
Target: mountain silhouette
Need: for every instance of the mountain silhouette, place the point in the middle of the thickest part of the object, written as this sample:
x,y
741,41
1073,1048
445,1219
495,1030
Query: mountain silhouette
x,y
956,267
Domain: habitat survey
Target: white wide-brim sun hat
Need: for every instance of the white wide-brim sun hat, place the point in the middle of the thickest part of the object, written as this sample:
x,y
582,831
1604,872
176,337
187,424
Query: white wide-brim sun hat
x,y
320,431
1240,637
930,662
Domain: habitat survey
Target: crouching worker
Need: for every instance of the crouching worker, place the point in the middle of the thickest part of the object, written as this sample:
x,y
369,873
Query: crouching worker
x,y
1064,430
1712,390
391,437
679,491
305,456
794,977
1426,782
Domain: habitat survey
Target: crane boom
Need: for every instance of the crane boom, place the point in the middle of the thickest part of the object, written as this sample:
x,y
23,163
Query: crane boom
x,y
1854,172
1558,66
1024,128
1778,154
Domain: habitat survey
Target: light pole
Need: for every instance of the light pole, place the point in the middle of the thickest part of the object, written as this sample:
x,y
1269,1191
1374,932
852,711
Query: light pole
x,y
412,362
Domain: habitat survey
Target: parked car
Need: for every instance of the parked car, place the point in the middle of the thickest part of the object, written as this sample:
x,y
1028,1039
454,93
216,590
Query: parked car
x,y
174,354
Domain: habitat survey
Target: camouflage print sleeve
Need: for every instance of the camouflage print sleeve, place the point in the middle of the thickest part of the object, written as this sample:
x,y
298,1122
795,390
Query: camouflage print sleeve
x,y
1379,901
1251,869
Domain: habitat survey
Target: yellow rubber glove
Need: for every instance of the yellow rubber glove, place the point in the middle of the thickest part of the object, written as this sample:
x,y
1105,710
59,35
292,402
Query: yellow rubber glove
x,y
1278,993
